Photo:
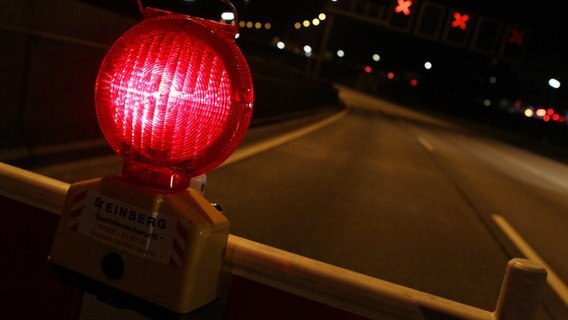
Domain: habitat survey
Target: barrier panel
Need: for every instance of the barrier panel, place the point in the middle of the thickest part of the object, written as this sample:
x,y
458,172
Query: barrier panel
x,y
261,282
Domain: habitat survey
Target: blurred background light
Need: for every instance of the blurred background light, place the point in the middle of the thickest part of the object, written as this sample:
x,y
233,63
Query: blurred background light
x,y
554,83
228,16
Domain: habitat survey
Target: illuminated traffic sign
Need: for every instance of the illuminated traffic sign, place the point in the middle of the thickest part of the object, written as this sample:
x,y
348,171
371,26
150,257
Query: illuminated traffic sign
x,y
403,7
457,30
460,20
402,14
514,42
516,36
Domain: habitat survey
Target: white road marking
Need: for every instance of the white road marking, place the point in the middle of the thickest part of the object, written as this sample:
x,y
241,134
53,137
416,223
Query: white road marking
x,y
249,151
425,143
553,280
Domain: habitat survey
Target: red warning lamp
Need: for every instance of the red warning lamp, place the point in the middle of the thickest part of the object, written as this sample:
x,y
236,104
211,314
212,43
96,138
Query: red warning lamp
x,y
174,98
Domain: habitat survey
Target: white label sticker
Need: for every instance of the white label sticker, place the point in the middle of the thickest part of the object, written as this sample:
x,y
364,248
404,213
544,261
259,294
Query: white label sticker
x,y
151,235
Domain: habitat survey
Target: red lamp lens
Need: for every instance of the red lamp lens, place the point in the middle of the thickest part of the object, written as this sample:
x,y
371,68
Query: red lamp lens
x,y
173,98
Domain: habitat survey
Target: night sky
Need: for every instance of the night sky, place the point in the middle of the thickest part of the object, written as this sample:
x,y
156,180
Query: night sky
x,y
544,54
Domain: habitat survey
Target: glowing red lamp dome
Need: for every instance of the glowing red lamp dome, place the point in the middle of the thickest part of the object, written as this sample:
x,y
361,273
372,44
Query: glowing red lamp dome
x,y
173,98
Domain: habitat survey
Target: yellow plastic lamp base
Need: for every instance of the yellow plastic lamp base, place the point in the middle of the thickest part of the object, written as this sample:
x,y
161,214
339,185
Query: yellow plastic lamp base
x,y
163,248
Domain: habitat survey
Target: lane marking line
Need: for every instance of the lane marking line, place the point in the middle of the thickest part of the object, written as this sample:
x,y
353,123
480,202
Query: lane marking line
x,y
249,151
425,143
553,280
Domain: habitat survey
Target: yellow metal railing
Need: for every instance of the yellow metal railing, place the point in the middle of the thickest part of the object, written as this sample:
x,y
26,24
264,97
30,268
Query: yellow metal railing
x,y
344,289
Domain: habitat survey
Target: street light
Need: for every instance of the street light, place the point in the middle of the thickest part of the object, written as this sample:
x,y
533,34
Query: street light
x,y
554,83
307,50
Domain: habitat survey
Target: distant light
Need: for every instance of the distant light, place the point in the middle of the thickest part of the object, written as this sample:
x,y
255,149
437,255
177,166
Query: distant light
x,y
492,79
427,65
414,82
529,113
315,22
307,49
297,25
267,26
249,24
306,23
550,111
258,25
540,112
280,45
390,75
368,69
486,103
228,16
556,117
322,16
546,118
242,24
376,57
340,53
554,83
237,35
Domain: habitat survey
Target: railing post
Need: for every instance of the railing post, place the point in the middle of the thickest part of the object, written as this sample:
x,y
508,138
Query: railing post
x,y
521,290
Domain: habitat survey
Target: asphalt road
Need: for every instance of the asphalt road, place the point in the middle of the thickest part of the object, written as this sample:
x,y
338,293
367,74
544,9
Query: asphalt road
x,y
395,194
404,197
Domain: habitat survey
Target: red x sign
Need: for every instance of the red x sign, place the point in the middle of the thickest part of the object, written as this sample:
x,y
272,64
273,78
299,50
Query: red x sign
x,y
517,37
460,20
403,7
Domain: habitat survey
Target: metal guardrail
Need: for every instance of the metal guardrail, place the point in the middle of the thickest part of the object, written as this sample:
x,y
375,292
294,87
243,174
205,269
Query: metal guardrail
x,y
369,297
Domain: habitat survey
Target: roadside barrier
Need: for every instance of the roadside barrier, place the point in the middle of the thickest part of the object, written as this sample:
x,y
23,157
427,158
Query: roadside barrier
x,y
31,202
